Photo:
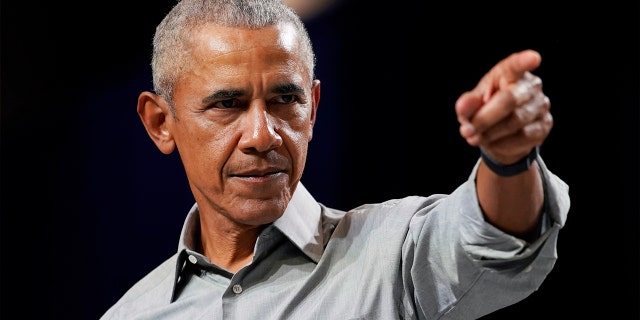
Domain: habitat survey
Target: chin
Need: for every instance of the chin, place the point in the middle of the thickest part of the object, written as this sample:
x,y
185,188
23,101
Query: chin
x,y
261,214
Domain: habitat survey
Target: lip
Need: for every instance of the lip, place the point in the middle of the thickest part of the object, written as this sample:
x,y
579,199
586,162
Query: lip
x,y
261,177
258,173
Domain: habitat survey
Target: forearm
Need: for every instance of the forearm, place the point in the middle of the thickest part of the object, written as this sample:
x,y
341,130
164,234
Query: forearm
x,y
513,204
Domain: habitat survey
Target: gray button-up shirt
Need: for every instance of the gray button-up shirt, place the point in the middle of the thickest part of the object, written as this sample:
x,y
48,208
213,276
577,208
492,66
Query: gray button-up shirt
x,y
412,258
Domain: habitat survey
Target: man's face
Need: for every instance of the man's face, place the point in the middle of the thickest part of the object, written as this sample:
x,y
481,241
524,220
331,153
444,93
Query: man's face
x,y
244,118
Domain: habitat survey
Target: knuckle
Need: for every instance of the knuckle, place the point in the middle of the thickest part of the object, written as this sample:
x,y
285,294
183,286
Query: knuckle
x,y
546,103
536,82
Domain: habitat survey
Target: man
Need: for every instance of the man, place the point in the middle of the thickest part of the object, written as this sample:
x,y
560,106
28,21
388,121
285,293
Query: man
x,y
235,95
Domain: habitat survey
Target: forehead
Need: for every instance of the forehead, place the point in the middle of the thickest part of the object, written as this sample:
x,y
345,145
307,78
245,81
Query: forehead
x,y
217,43
226,58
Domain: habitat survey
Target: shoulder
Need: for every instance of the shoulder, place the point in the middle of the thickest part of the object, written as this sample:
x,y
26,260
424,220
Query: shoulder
x,y
393,213
155,288
401,207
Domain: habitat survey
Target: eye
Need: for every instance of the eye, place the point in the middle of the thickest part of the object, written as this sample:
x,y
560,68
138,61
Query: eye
x,y
286,98
226,104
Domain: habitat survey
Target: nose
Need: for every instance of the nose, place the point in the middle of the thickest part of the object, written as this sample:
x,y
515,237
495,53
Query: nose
x,y
259,130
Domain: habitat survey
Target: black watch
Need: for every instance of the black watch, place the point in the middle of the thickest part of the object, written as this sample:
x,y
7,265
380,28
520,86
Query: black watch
x,y
512,169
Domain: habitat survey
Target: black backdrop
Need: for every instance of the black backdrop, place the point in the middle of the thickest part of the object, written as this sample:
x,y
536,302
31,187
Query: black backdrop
x,y
88,205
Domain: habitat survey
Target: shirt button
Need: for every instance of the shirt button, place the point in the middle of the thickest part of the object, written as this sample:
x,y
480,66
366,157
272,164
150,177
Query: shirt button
x,y
237,289
193,259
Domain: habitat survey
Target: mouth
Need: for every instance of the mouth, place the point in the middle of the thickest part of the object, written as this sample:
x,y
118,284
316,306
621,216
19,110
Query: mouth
x,y
261,176
259,173
271,170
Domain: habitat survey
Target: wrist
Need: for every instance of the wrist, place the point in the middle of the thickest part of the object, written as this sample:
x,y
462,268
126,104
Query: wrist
x,y
510,169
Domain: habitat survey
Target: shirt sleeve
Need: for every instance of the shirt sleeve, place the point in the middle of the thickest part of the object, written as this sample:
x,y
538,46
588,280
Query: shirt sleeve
x,y
468,268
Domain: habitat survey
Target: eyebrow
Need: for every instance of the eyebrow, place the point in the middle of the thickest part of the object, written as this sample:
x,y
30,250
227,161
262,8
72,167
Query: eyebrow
x,y
223,94
234,93
288,88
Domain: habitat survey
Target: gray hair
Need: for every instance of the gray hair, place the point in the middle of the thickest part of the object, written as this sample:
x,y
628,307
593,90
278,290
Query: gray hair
x,y
170,43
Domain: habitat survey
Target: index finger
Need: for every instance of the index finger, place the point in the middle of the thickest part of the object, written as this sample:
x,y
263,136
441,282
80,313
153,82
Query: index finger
x,y
507,71
514,66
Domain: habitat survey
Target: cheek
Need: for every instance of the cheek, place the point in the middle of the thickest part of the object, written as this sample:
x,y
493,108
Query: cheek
x,y
298,138
204,149
297,127
301,125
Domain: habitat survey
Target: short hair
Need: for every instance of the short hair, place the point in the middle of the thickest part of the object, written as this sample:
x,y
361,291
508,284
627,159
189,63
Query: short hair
x,y
170,43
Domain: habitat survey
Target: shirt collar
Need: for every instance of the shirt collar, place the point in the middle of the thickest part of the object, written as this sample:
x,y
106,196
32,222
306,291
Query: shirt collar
x,y
301,224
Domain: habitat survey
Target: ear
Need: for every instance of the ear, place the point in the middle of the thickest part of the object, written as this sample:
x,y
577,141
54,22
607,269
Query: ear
x,y
156,116
315,100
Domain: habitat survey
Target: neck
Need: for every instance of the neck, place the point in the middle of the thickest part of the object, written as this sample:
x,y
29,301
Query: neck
x,y
227,244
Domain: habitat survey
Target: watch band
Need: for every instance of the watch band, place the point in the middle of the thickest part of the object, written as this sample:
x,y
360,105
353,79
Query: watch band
x,y
511,169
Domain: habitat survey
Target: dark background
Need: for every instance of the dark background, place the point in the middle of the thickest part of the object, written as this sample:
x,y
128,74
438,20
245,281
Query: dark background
x,y
89,205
